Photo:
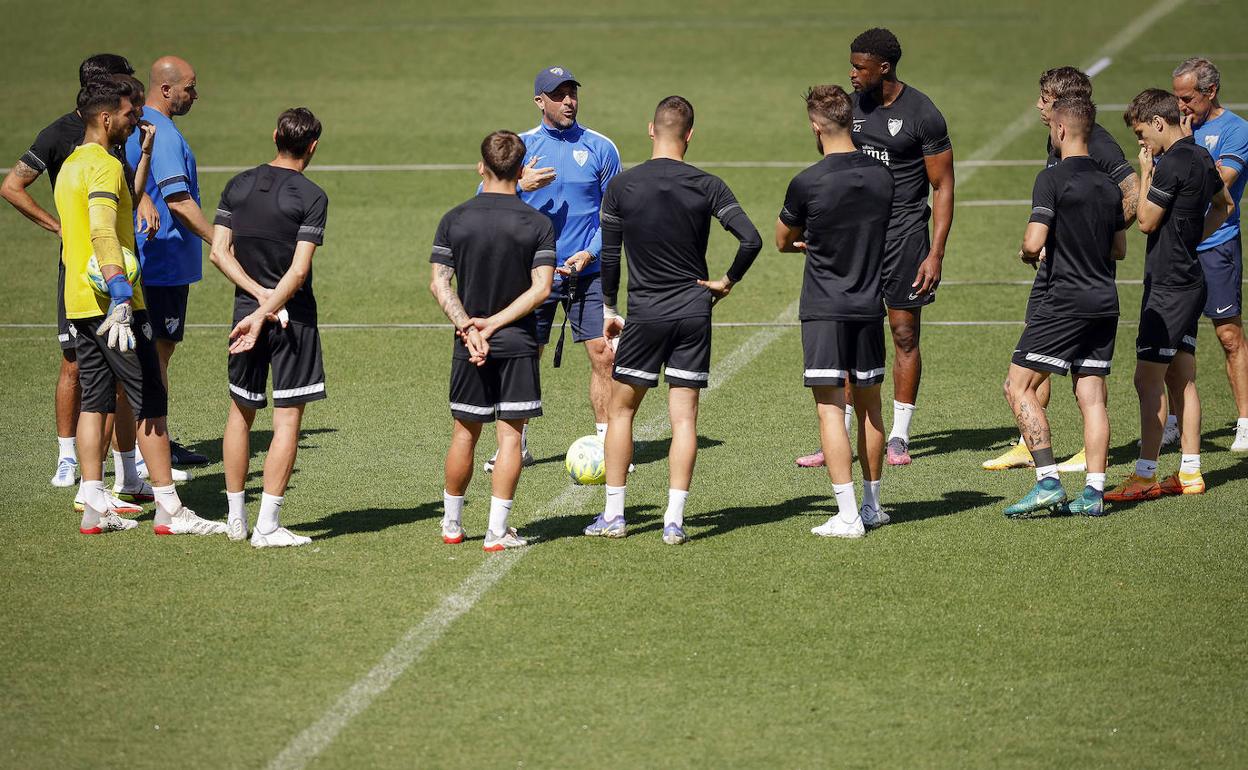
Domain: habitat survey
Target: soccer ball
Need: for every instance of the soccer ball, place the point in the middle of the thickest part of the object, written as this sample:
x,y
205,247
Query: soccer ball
x,y
96,278
587,461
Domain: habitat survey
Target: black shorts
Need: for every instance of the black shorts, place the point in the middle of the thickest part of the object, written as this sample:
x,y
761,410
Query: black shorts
x,y
294,355
1224,275
167,307
1059,345
584,308
101,369
506,388
834,351
902,257
1169,319
62,323
683,344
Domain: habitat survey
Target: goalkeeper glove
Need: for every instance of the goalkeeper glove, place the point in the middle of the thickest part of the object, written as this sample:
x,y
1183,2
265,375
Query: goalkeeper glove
x,y
116,327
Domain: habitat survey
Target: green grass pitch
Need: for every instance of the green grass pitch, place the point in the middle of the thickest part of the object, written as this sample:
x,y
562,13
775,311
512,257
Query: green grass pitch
x,y
952,637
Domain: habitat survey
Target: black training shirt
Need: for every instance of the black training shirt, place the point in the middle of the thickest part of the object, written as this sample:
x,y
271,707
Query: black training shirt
x,y
54,144
902,135
662,211
1104,151
270,210
1082,208
493,242
844,203
1184,182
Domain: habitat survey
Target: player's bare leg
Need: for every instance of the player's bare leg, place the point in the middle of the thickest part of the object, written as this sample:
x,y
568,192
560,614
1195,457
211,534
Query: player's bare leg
x,y
625,400
458,473
236,457
279,463
1185,405
601,359
1021,386
870,453
1091,395
68,400
682,407
1150,387
499,536
904,323
830,406
1230,333
96,516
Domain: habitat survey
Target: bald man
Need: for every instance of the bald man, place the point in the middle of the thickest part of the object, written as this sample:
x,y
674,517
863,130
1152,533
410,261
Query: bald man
x,y
172,256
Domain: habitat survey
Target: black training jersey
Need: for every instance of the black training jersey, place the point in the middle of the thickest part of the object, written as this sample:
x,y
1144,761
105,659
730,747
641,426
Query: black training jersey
x,y
54,144
271,209
902,135
493,242
662,212
1104,151
1184,182
1082,208
844,204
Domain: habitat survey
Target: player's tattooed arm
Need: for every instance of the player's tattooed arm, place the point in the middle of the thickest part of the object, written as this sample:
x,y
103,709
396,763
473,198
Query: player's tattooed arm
x,y
13,189
447,299
1130,197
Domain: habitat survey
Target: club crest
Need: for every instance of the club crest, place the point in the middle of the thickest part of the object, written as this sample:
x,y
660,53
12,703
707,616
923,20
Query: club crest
x,y
171,324
147,330
73,330
580,156
1211,142
894,125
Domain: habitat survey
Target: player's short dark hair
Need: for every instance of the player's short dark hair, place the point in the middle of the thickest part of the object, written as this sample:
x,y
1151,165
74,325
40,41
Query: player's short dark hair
x,y
673,115
829,104
297,129
503,154
1066,83
1152,102
104,94
880,43
102,65
1078,115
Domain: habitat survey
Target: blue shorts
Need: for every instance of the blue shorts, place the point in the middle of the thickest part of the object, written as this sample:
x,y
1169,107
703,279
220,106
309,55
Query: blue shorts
x,y
1224,274
584,312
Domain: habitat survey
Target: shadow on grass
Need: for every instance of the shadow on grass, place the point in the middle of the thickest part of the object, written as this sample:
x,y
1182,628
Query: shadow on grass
x,y
260,440
726,520
639,517
368,520
949,504
1126,453
644,452
974,439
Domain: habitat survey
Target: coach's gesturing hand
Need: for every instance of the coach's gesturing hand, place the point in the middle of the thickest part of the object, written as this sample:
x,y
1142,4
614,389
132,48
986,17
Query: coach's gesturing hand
x,y
536,178
718,289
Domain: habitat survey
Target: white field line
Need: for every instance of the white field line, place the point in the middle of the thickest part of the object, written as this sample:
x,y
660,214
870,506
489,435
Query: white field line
x,y
1028,119
1099,66
1231,106
308,745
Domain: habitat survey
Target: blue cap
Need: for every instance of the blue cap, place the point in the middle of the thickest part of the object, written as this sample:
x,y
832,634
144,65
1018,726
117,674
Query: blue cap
x,y
551,78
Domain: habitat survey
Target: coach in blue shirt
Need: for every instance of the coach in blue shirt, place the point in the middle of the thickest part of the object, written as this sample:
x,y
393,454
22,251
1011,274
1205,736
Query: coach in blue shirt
x,y
172,258
567,169
1225,135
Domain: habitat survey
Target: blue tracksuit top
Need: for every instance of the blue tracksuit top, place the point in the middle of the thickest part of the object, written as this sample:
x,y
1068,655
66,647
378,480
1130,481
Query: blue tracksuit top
x,y
584,162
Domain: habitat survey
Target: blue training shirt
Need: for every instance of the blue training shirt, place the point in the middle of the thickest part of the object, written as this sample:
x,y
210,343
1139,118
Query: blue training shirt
x,y
172,257
584,162
1226,139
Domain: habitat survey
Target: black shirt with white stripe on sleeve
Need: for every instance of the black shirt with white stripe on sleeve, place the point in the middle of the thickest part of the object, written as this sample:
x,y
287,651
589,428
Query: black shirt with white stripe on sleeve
x,y
1184,182
270,210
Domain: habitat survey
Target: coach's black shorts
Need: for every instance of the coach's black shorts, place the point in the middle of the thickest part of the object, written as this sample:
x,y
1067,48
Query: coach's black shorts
x,y
167,307
584,308
1169,319
836,351
902,257
1059,345
62,323
506,388
1224,274
101,369
294,355
683,344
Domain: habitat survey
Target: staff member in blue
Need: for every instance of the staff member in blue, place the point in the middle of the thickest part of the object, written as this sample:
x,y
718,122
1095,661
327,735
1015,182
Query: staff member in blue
x,y
576,163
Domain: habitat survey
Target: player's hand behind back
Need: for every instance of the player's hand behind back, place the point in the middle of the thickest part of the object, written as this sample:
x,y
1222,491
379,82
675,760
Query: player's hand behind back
x,y
245,333
718,289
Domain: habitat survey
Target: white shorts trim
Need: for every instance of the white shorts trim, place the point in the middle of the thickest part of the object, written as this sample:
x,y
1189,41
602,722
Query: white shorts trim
x,y
1167,351
518,406
470,409
654,376
870,374
1091,363
62,337
685,374
304,391
817,374
1188,340
1047,360
247,394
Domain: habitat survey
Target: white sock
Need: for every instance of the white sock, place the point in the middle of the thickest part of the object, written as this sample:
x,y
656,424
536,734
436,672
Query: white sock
x,y
270,509
94,502
846,505
499,511
675,513
871,494
849,418
524,439
1046,472
1190,464
615,503
1022,439
601,429
237,501
1096,481
1145,469
1172,421
66,447
901,420
125,470
167,503
453,507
